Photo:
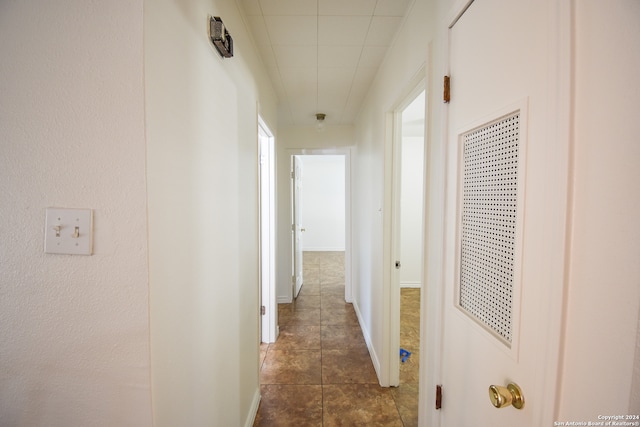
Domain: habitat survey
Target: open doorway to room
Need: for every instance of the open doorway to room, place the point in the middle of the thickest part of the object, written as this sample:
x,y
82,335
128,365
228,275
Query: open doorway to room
x,y
318,209
407,183
319,194
411,237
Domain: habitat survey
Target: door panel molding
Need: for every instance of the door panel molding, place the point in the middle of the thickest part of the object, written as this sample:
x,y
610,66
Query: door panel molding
x,y
508,345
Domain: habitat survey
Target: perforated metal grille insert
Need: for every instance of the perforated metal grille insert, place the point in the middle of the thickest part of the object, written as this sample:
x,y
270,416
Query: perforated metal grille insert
x,y
489,199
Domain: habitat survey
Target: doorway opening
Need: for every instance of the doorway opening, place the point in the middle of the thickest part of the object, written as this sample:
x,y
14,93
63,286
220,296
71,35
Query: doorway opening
x,y
320,215
404,241
267,233
408,233
319,212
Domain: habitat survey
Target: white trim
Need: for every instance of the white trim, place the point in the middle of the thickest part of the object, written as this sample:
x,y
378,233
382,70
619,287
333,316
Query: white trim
x,y
510,348
432,295
346,152
253,409
324,249
375,359
457,10
389,374
413,285
267,238
560,108
389,367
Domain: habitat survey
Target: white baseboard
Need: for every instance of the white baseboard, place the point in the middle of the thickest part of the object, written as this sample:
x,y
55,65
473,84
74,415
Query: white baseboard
x,y
323,249
283,300
367,338
410,284
253,410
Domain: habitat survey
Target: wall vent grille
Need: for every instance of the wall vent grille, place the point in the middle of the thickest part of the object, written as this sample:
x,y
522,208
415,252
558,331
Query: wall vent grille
x,y
488,229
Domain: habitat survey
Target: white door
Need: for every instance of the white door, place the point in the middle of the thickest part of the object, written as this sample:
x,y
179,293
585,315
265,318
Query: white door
x,y
297,229
506,213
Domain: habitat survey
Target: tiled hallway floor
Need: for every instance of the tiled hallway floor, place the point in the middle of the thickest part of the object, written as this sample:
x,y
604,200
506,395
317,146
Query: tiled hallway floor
x,y
319,372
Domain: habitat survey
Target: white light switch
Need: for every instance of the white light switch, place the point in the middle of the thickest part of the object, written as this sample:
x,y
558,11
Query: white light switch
x,y
68,231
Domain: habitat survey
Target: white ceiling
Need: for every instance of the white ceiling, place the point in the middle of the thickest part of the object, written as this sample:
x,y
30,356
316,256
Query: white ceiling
x,y
322,55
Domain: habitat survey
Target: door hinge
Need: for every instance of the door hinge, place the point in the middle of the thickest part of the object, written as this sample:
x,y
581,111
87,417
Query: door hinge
x,y
293,174
446,95
438,396
263,310
293,227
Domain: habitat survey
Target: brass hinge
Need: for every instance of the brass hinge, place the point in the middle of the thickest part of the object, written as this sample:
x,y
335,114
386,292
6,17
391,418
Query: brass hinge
x,y
446,96
263,310
438,396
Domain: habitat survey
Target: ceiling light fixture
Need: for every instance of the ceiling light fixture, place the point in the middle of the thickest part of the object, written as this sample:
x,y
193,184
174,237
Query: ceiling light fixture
x,y
320,121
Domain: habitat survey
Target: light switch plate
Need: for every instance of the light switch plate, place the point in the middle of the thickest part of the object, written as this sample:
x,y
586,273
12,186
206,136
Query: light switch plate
x,y
68,231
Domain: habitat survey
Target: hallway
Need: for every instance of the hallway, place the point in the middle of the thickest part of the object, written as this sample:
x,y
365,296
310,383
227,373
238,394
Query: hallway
x,y
319,372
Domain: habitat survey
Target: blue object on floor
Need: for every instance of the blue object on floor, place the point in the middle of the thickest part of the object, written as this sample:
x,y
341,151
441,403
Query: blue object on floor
x,y
404,355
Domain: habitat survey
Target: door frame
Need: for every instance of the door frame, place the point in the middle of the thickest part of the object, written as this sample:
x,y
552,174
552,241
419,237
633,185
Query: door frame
x,y
560,76
390,360
296,239
267,234
346,152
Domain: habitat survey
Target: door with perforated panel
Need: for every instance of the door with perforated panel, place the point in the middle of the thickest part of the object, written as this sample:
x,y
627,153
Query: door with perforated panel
x,y
506,215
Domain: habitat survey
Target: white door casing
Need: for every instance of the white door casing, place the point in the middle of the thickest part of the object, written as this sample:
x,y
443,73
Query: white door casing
x,y
346,152
269,311
391,376
503,63
297,228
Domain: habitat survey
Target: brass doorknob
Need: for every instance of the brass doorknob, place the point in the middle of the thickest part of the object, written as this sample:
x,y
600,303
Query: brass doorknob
x,y
502,397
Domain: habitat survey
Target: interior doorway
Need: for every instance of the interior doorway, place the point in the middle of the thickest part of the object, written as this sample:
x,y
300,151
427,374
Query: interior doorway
x,y
406,242
318,209
267,233
411,235
321,221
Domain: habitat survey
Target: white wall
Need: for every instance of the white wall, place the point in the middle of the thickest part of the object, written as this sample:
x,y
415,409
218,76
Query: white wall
x,y
323,203
604,277
401,67
412,192
411,207
203,214
298,140
74,346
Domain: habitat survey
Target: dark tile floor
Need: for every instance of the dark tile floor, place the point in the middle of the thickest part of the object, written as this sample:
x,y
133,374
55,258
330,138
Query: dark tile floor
x,y
319,372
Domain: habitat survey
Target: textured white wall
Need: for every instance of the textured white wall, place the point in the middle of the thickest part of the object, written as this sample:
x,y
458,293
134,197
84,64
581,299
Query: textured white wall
x,y
604,281
202,134
74,346
323,203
